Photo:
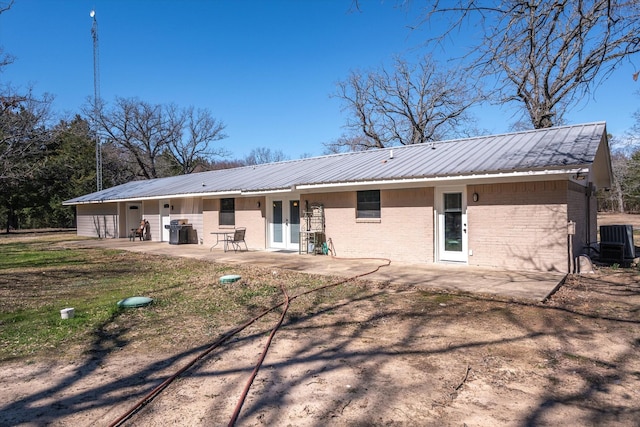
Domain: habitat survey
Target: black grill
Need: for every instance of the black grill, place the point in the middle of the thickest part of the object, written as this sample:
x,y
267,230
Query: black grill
x,y
178,231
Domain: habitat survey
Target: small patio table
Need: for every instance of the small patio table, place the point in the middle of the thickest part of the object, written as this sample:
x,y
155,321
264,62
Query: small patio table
x,y
224,235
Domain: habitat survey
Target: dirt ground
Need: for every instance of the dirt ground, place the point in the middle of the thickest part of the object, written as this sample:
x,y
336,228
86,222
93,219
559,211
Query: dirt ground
x,y
392,356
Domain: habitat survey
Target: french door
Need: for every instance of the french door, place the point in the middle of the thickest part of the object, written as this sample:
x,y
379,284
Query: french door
x,y
452,227
284,223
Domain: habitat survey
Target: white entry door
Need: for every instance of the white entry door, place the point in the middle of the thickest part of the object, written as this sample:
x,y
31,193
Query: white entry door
x,y
452,230
284,223
134,216
165,215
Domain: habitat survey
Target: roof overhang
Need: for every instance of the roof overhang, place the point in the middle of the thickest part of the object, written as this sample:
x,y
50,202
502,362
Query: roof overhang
x,y
217,194
482,178
476,178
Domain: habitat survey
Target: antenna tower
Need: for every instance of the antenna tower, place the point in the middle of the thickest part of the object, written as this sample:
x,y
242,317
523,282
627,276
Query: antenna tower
x,y
96,99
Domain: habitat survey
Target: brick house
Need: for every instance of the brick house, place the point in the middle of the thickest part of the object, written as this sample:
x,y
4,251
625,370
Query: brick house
x,y
507,201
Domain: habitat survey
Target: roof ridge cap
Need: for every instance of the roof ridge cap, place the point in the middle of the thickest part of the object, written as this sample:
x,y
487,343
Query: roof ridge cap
x,y
470,138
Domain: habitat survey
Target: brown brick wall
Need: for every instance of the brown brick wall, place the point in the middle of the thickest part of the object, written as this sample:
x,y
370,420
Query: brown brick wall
x,y
512,225
404,231
576,211
248,215
210,209
519,225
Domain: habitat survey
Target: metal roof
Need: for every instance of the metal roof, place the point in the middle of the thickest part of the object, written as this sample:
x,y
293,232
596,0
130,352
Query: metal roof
x,y
552,149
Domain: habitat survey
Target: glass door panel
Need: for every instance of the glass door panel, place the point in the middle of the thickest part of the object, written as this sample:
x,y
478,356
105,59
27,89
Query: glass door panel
x,y
284,223
294,221
277,223
451,224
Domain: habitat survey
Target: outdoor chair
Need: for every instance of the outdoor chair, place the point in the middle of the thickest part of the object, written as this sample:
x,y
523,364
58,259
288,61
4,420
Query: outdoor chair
x,y
136,233
143,232
236,240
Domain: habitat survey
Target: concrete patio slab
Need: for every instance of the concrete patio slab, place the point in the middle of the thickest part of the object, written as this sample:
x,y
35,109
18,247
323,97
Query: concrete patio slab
x,y
528,286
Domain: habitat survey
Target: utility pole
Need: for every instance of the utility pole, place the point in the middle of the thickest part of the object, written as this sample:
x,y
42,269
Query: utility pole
x,y
96,99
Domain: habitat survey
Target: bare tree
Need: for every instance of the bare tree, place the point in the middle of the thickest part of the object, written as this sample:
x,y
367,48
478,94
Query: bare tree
x,y
620,166
160,139
263,155
413,104
5,58
117,165
194,147
6,5
24,135
547,54
225,164
144,130
25,140
346,143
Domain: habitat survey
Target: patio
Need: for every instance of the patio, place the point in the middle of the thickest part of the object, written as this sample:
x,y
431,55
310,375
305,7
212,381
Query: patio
x,y
527,286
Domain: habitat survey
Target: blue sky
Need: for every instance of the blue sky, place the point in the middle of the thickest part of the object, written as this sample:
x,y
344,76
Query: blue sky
x,y
265,68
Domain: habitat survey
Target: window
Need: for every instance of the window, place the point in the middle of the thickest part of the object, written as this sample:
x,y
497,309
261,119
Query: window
x,y
227,212
368,204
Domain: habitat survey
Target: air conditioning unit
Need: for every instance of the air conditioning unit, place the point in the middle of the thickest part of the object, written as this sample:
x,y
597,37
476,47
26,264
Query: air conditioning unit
x,y
616,243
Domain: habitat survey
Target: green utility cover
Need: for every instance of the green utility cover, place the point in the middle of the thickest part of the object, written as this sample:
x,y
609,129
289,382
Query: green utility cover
x,y
133,302
230,278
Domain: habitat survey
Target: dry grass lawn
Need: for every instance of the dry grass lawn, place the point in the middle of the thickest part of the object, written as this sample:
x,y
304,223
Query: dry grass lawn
x,y
359,353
